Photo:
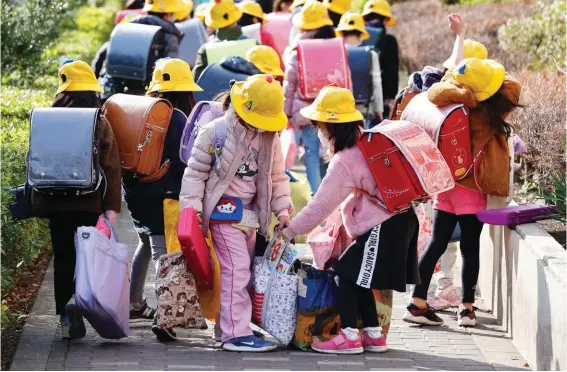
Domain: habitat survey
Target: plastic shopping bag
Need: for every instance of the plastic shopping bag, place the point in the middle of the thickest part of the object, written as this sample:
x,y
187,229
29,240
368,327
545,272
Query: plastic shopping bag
x,y
102,281
279,313
317,315
329,242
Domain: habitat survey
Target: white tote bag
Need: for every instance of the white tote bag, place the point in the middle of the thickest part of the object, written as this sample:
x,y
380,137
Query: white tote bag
x,y
102,281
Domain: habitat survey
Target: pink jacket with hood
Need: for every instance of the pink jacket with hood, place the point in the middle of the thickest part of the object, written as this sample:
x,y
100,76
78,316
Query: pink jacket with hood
x,y
203,186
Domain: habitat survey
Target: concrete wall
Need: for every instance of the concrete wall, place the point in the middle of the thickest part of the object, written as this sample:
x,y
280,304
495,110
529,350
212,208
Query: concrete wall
x,y
523,280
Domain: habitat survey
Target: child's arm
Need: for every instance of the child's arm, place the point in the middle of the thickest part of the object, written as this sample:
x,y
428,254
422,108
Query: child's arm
x,y
459,27
290,83
334,189
197,171
376,72
281,202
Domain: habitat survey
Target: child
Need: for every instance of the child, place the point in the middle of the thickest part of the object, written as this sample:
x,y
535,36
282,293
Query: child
x,y
252,13
184,14
172,80
481,85
314,23
250,168
377,13
384,254
336,9
223,16
267,60
78,87
351,29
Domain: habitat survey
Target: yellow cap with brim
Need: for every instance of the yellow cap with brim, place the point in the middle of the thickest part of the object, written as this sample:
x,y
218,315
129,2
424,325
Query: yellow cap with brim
x,y
483,77
164,6
380,7
180,16
252,8
266,59
333,105
352,22
338,6
77,76
259,101
222,13
313,15
173,75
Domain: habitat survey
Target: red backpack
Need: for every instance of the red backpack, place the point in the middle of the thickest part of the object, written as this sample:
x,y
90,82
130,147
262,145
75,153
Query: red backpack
x,y
321,62
448,126
405,163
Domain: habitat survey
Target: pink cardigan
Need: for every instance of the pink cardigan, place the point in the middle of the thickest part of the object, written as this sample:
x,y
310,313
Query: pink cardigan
x,y
347,173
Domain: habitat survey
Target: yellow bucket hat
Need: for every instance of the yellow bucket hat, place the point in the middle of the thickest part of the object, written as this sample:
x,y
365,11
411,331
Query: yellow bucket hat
x,y
173,75
296,3
380,7
474,49
180,16
252,8
77,76
352,22
483,77
333,105
259,101
338,6
266,59
313,15
222,13
164,6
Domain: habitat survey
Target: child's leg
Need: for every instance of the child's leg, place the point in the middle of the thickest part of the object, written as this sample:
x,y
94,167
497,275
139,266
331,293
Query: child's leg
x,y
236,307
312,160
348,303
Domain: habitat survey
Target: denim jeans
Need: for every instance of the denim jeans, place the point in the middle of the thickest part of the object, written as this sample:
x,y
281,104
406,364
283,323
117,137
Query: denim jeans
x,y
311,160
150,247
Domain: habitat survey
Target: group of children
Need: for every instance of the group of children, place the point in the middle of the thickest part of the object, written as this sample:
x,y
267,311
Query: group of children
x,y
251,168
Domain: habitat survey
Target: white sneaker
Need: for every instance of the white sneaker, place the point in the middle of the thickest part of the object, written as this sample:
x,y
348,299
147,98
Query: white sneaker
x,y
466,317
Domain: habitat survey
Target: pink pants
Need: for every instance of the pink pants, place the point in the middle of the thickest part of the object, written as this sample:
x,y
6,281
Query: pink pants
x,y
235,251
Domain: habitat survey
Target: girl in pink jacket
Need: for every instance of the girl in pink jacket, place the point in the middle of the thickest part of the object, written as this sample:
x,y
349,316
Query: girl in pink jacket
x,y
384,254
237,194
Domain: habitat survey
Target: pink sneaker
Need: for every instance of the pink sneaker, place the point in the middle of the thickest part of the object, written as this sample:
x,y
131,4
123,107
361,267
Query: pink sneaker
x,y
340,344
374,344
451,294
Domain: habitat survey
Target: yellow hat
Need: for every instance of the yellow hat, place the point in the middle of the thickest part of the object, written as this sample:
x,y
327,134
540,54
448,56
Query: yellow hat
x,y
313,15
201,11
266,59
483,77
338,6
164,6
173,75
222,13
252,8
259,101
333,105
352,22
296,3
180,16
380,7
77,76
474,49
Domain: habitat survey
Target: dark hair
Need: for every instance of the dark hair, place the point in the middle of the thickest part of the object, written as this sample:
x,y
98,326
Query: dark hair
x,y
159,15
183,101
278,4
351,33
247,20
325,32
83,99
374,17
224,99
335,17
342,136
495,109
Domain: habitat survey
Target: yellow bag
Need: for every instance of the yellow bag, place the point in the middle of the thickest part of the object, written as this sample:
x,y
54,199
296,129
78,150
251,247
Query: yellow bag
x,y
210,299
300,195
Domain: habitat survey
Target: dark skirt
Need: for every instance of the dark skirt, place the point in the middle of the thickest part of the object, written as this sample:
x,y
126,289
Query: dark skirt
x,y
385,257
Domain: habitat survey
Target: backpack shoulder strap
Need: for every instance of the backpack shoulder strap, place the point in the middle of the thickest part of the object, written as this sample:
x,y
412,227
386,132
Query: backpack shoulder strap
x,y
218,142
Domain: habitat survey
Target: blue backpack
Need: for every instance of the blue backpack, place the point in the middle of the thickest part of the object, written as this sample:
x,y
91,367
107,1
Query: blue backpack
x,y
360,64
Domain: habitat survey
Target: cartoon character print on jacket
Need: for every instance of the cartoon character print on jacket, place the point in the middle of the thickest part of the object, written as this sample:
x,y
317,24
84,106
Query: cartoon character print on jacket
x,y
178,302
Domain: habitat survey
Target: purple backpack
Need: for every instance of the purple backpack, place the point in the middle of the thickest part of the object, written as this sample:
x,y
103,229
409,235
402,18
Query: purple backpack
x,y
202,114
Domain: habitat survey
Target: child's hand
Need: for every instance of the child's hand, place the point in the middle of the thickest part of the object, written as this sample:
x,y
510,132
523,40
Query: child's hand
x,y
287,234
457,24
110,215
284,222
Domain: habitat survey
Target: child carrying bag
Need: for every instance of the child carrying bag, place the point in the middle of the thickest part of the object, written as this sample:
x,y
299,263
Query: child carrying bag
x,y
102,281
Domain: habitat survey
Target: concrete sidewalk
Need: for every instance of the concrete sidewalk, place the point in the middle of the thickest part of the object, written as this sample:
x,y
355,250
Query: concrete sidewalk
x,y
411,347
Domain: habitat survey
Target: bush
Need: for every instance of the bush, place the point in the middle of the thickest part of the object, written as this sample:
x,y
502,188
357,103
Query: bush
x,y
21,240
425,39
541,124
542,36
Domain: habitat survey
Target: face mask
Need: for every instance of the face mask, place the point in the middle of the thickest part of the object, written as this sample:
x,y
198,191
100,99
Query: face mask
x,y
324,140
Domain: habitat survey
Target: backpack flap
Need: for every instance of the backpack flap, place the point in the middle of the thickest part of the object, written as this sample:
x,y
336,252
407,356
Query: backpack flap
x,y
195,35
216,79
131,50
217,51
69,167
253,32
204,112
360,64
422,154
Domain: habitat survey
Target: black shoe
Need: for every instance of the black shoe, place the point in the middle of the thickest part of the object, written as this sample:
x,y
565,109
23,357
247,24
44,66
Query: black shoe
x,y
144,312
163,334
76,324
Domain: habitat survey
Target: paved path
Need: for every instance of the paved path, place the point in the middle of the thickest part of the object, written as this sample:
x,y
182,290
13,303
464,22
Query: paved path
x,y
411,347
